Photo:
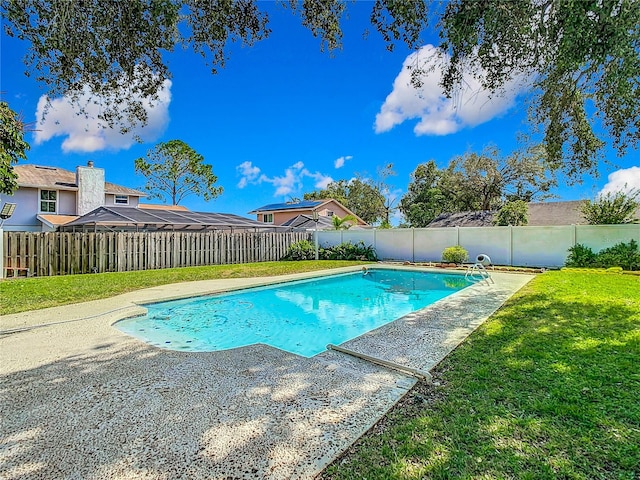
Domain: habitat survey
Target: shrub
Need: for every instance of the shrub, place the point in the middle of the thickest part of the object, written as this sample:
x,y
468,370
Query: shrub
x,y
305,250
623,255
580,256
302,250
350,251
455,254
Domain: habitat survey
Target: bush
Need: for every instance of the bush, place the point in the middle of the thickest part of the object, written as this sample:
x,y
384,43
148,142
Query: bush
x,y
580,256
455,254
305,250
623,255
302,250
350,251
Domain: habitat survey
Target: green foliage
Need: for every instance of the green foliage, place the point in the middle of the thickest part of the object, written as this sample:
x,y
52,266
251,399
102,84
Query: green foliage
x,y
305,250
12,147
512,213
174,169
117,49
474,182
343,223
612,208
623,255
456,254
350,251
580,56
580,256
302,250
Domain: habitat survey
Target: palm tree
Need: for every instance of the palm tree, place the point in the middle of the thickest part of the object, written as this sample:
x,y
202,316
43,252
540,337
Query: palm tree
x,y
344,223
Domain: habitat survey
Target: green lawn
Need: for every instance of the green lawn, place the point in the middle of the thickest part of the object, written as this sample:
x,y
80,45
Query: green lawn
x,y
548,388
21,295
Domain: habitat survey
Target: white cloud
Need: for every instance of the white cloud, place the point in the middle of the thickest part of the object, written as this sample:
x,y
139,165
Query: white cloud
x,y
339,162
292,180
624,180
439,115
250,174
85,133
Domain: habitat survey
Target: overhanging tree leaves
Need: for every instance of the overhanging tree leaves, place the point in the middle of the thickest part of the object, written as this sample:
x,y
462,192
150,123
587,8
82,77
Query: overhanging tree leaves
x,y
583,56
175,170
12,147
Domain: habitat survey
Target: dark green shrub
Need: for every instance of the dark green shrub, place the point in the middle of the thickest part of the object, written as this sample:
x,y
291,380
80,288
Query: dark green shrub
x,y
580,256
302,250
350,251
305,250
625,255
455,254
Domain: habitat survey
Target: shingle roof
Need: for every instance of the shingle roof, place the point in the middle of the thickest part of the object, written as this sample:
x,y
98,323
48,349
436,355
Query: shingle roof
x,y
306,204
539,214
37,176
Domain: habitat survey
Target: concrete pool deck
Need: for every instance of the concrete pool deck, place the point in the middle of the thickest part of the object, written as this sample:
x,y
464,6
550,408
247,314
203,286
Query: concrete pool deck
x,y
80,399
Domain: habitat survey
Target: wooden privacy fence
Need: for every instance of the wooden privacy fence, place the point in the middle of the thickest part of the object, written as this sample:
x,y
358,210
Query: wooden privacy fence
x,y
54,253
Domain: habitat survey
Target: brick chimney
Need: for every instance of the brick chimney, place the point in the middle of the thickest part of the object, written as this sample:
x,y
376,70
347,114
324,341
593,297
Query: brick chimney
x,y
90,183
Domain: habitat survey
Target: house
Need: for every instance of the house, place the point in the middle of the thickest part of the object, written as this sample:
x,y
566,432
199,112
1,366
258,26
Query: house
x,y
539,215
48,197
286,213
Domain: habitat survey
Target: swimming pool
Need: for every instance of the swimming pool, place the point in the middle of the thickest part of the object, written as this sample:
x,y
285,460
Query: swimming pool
x,y
301,317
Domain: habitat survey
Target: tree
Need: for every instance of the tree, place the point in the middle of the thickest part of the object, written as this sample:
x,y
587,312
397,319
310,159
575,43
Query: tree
x,y
512,213
358,195
581,55
424,200
343,223
474,182
13,147
612,208
174,169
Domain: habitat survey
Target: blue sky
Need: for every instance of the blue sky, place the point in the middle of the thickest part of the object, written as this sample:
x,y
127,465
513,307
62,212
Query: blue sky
x,y
283,118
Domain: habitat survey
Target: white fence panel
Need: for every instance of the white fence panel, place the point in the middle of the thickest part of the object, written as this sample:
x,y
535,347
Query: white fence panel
x,y
368,237
492,241
598,237
518,246
541,246
430,242
394,244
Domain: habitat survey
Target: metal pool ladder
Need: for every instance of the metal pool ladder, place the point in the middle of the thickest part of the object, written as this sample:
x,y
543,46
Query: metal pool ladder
x,y
478,271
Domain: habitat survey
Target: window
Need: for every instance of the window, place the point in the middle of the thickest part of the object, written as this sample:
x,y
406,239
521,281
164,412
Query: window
x,y
122,200
48,201
329,213
267,217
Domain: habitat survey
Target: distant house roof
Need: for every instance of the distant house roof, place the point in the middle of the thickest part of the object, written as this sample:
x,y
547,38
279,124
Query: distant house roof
x,y
275,207
539,214
150,206
131,218
54,178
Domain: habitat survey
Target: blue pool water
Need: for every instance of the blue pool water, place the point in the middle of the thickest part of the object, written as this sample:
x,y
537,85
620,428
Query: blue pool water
x,y
301,317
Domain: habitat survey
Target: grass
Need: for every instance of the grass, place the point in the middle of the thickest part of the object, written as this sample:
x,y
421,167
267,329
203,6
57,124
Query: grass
x,y
21,295
547,388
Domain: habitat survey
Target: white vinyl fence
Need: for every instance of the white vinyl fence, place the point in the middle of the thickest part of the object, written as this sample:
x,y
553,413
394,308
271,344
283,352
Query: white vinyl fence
x,y
517,246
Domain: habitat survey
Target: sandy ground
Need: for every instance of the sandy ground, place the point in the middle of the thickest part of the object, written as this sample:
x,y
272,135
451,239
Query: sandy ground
x,y
81,400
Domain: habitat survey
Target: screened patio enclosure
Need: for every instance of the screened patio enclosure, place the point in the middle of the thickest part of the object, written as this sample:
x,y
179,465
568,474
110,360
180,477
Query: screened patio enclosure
x,y
131,219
